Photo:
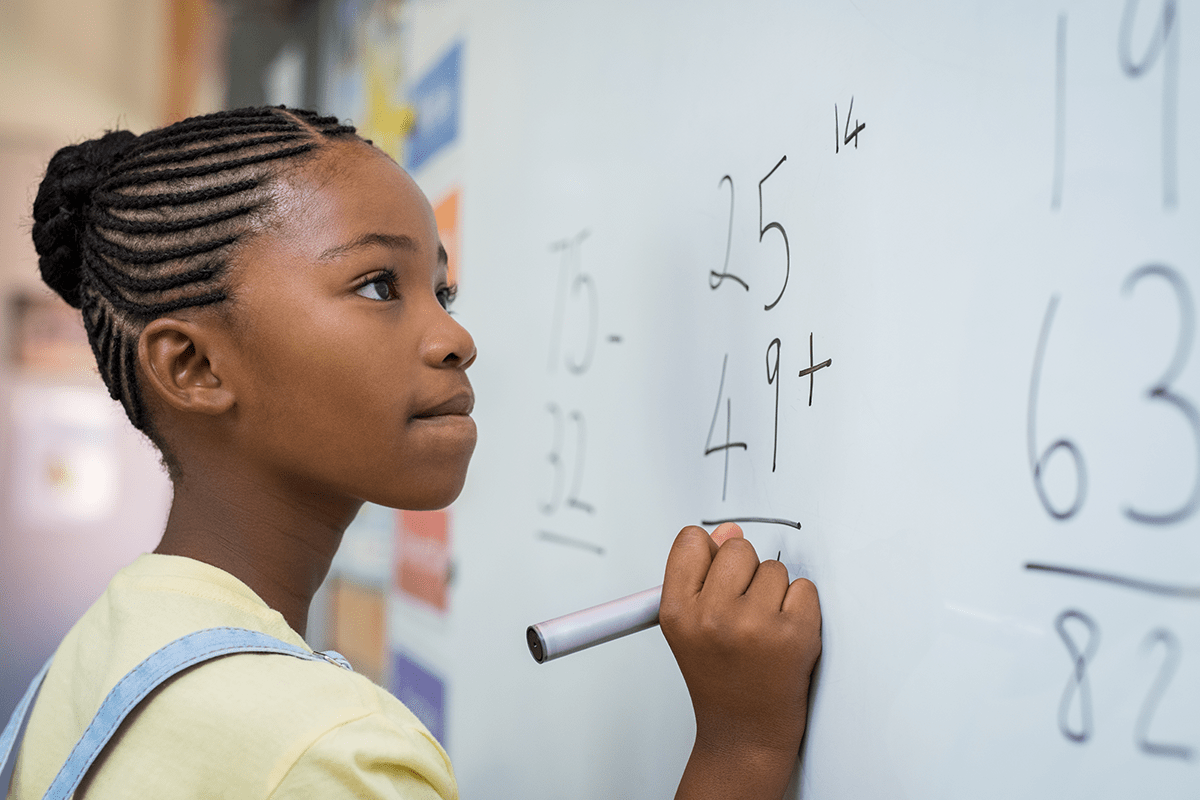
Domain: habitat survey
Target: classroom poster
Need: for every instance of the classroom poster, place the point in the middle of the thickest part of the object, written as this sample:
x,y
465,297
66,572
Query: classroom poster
x,y
357,626
445,214
65,457
423,692
365,72
437,98
423,557
49,338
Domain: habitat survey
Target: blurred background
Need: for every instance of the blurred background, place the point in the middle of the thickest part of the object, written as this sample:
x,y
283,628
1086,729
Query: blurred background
x,y
81,493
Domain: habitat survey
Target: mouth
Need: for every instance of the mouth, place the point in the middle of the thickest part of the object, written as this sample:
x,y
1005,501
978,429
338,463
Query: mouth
x,y
459,405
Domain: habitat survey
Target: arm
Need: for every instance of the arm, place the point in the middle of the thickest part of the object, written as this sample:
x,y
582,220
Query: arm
x,y
746,641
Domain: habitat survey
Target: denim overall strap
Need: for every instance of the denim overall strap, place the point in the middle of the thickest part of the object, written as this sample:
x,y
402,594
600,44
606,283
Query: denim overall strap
x,y
184,652
9,737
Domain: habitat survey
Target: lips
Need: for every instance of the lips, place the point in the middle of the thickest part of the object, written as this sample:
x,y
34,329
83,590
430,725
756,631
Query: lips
x,y
459,405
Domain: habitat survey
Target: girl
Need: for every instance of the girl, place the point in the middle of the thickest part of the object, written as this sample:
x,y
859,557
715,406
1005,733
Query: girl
x,y
266,295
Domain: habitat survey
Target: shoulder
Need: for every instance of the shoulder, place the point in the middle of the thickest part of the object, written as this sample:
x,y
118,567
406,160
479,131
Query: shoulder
x,y
279,726
248,723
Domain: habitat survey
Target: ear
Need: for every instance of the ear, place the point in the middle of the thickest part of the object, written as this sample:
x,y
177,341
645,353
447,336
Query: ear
x,y
176,357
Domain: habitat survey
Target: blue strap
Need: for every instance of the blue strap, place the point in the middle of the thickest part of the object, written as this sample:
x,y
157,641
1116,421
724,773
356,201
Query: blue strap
x,y
9,737
184,652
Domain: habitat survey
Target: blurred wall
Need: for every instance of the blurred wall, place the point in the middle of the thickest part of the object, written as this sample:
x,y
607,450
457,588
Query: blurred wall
x,y
68,67
272,53
81,493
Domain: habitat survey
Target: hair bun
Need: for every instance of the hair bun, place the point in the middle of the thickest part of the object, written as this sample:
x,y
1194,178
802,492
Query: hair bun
x,y
73,175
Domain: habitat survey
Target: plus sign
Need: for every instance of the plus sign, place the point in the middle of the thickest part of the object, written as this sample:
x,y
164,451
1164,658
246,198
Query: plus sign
x,y
811,371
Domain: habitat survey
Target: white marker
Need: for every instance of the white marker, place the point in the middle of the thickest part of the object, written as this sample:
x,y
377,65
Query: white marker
x,y
592,626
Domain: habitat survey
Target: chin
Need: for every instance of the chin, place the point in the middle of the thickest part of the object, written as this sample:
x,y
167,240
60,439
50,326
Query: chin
x,y
431,492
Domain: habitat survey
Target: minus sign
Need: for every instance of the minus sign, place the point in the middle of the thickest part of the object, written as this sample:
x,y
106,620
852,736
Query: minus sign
x,y
570,541
791,523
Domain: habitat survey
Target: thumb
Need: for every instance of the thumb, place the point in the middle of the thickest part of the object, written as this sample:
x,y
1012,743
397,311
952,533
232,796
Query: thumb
x,y
726,531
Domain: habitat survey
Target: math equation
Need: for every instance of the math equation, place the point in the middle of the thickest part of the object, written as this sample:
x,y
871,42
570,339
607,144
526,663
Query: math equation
x,y
1086,708
753,275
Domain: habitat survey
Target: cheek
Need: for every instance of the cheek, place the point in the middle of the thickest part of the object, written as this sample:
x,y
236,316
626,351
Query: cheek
x,y
329,372
332,402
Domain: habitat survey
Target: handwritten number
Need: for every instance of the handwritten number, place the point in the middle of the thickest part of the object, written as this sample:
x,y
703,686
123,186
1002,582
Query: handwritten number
x,y
857,126
573,497
1038,463
555,458
1162,389
1165,673
772,375
1078,689
841,137
762,231
1078,685
580,366
1162,33
572,282
1165,43
709,447
1060,112
582,281
715,279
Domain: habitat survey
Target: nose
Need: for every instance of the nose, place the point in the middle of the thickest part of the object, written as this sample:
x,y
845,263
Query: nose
x,y
447,343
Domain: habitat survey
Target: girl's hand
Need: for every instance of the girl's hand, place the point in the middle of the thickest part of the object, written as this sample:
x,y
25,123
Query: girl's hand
x,y
746,641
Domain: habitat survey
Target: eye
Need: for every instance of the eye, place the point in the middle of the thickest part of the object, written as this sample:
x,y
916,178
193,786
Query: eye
x,y
378,287
446,295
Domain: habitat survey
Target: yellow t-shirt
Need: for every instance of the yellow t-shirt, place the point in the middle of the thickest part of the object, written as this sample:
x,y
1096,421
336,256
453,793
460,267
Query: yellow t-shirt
x,y
242,726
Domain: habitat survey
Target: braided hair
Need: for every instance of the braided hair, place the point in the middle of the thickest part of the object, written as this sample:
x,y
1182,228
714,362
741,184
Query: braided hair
x,y
128,228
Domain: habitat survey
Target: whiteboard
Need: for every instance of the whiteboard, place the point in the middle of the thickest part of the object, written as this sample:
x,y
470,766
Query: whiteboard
x,y
981,219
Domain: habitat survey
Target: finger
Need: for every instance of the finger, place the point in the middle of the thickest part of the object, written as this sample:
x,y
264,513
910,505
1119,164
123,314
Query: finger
x,y
688,562
769,587
802,599
726,531
732,569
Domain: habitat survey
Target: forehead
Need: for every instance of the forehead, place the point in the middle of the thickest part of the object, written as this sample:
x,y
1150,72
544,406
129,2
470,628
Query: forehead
x,y
349,191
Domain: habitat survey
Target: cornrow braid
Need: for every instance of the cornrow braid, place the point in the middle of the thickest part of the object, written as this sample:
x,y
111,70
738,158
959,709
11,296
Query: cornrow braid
x,y
128,228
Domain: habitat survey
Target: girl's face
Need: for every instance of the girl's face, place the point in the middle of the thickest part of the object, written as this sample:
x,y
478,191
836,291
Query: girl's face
x,y
350,374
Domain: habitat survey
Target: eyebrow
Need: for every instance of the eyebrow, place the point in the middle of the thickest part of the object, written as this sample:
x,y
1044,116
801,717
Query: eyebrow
x,y
388,240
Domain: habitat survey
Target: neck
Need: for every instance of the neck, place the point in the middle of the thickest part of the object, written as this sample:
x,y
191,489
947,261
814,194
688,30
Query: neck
x,y
277,541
